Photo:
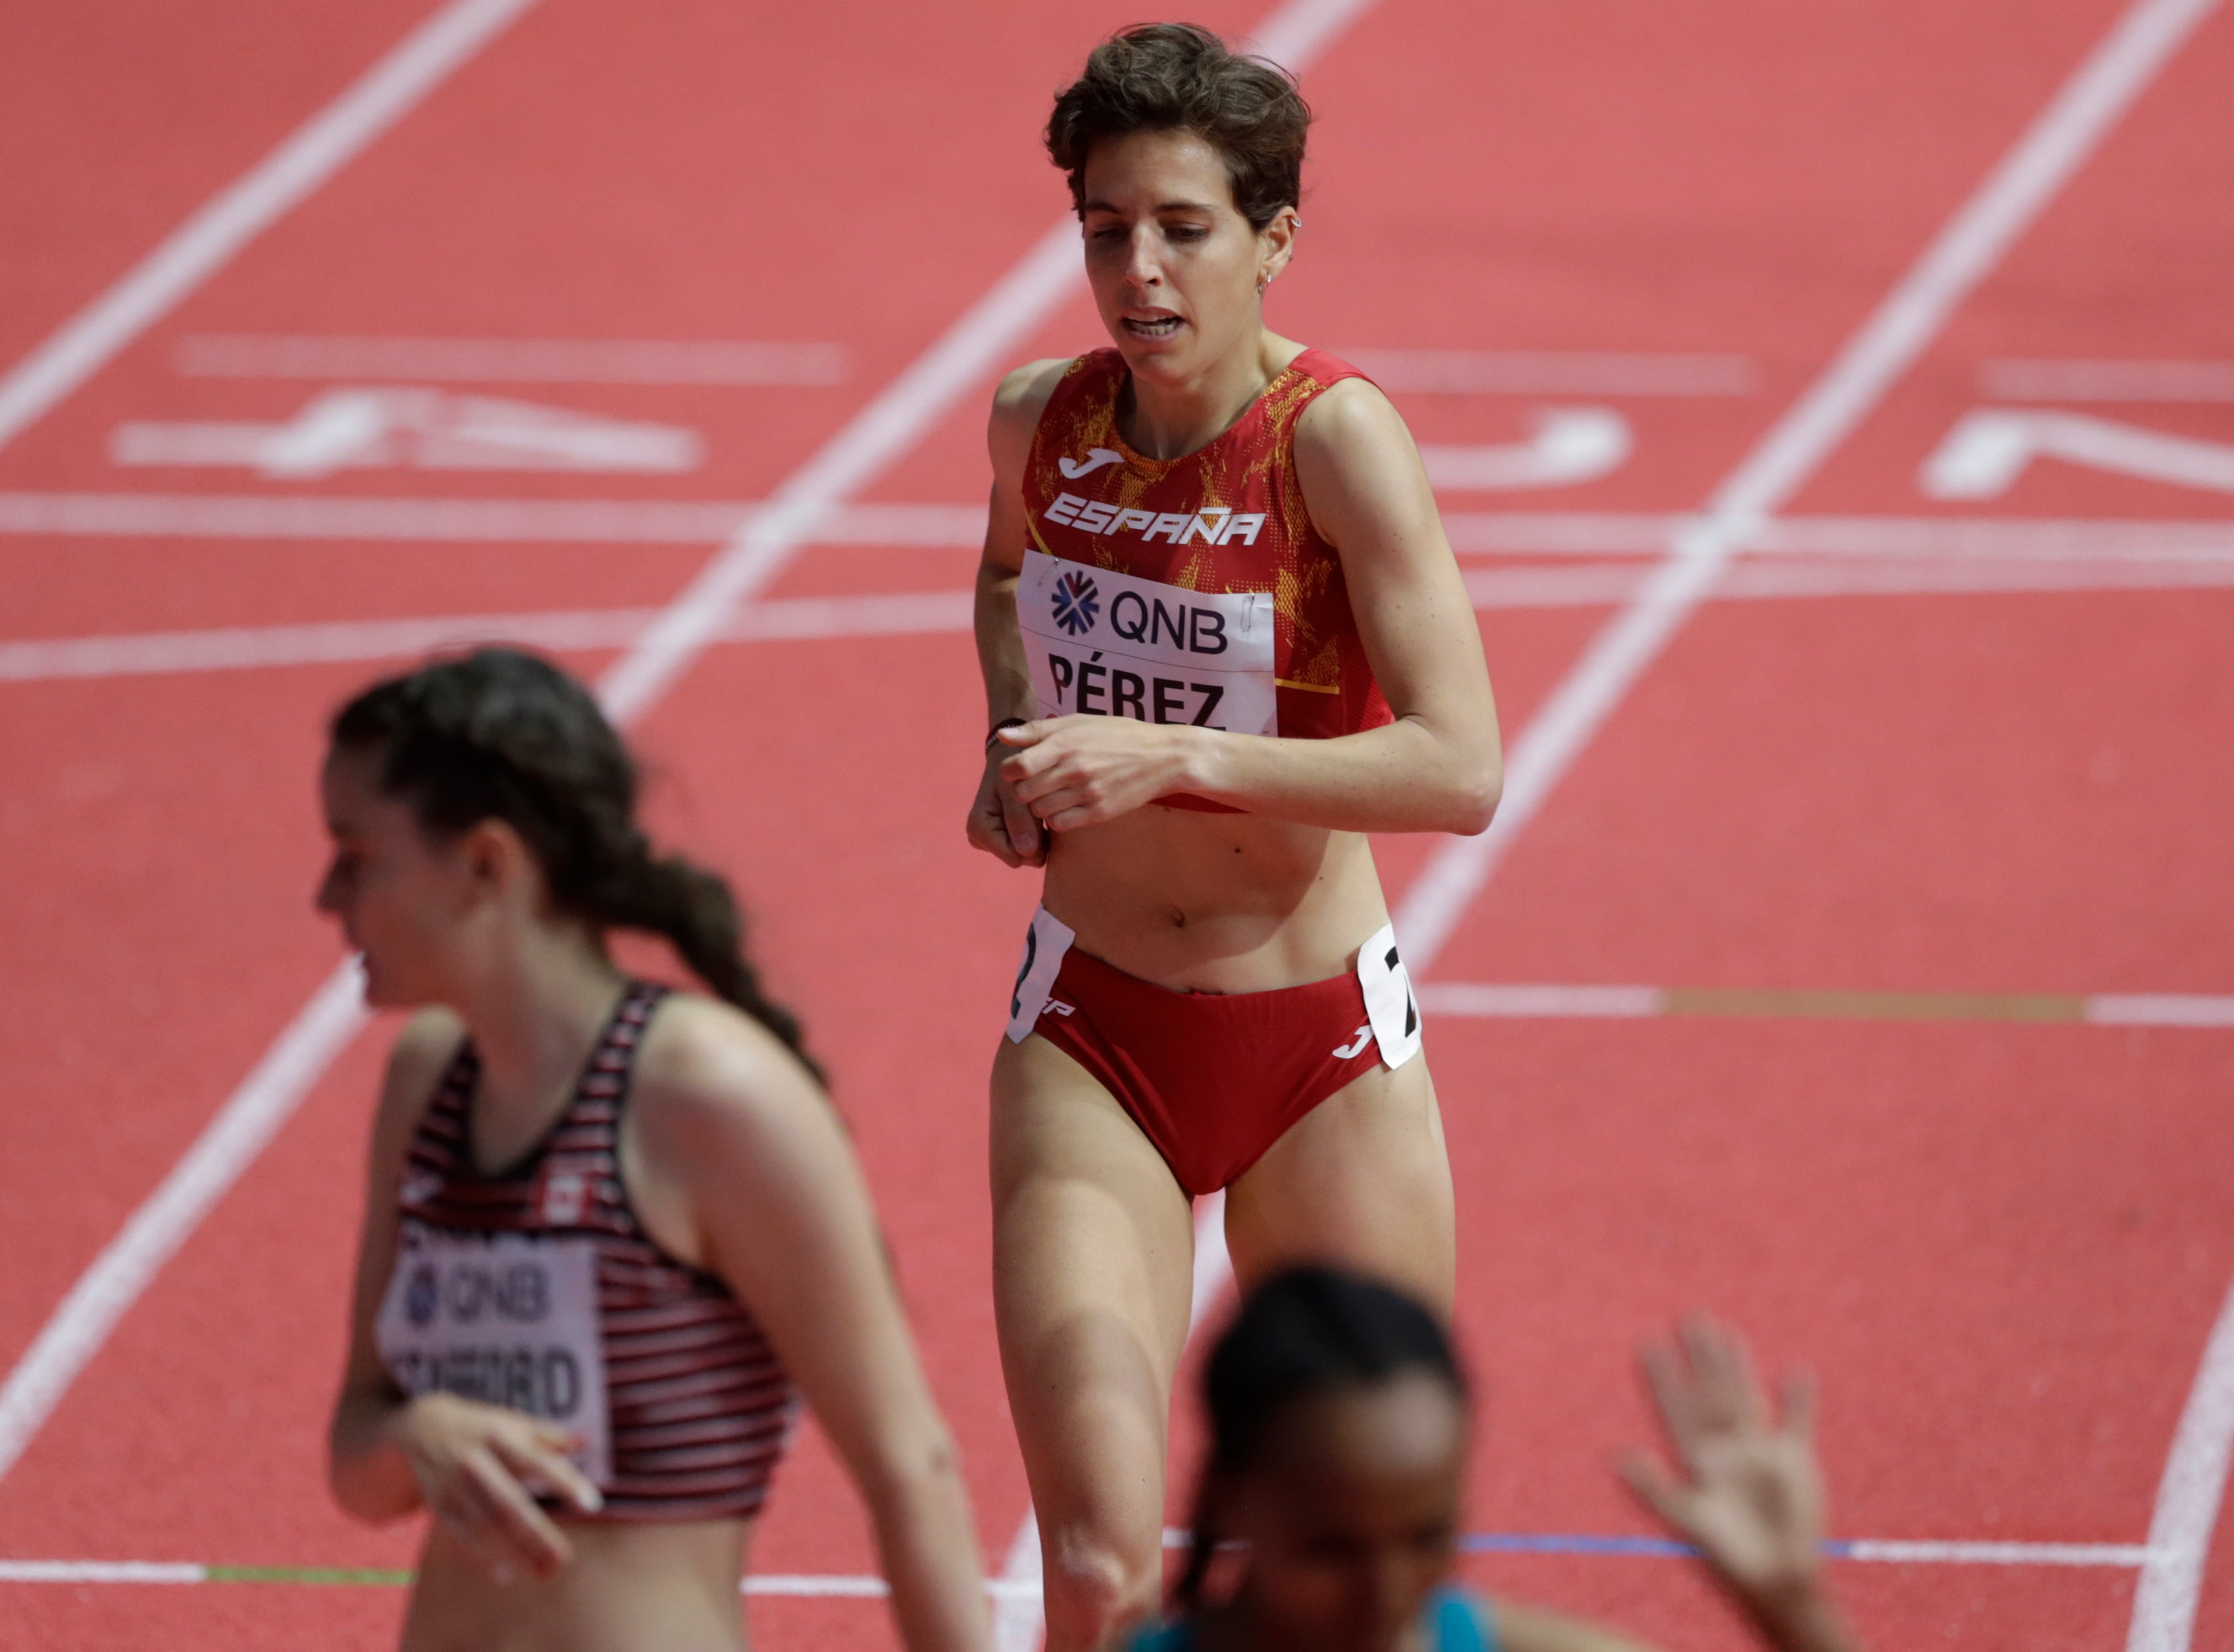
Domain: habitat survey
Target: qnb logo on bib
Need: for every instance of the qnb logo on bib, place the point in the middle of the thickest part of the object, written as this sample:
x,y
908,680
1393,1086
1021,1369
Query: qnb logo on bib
x,y
1213,524
1077,600
1108,644
505,1319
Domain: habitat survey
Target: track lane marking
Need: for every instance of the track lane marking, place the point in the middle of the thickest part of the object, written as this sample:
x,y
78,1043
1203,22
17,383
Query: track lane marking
x,y
2188,1500
387,92
1003,1589
932,526
913,613
1522,1001
512,360
1889,342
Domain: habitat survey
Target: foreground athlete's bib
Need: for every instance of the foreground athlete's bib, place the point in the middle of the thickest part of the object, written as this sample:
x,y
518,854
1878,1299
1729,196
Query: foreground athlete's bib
x,y
503,1318
1110,644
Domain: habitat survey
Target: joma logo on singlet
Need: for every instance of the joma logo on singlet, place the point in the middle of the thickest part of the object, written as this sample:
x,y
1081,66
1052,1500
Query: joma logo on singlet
x,y
1213,525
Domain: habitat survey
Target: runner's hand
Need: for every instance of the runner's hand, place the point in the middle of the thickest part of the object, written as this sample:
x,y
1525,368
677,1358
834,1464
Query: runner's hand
x,y
479,1468
1750,1494
1079,771
999,822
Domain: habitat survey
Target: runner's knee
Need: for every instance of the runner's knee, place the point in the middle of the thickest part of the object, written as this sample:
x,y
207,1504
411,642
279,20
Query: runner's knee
x,y
1095,1586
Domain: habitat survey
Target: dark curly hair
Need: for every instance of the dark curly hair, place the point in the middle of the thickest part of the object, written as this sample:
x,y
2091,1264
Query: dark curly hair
x,y
1301,1333
1179,77
506,736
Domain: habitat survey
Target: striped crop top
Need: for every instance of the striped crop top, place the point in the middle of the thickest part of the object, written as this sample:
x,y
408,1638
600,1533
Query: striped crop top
x,y
539,1289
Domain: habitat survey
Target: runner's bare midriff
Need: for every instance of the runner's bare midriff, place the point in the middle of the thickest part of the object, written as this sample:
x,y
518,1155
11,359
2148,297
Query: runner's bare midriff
x,y
1216,902
667,1585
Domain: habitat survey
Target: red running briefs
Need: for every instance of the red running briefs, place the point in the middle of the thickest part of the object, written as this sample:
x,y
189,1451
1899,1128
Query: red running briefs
x,y
1213,1079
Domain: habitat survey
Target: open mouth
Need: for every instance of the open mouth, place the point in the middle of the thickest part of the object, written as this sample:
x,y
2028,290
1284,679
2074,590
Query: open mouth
x,y
1153,324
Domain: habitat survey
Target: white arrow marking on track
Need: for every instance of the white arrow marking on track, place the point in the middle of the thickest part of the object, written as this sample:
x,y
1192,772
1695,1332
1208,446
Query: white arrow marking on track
x,y
1571,444
426,429
1988,450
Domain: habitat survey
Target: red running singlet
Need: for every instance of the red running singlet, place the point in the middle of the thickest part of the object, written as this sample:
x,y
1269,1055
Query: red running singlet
x,y
1190,590
539,1289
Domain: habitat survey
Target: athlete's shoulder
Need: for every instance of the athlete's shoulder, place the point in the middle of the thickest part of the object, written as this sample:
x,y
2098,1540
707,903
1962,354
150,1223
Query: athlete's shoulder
x,y
701,1053
1325,367
1351,420
718,1100
1023,393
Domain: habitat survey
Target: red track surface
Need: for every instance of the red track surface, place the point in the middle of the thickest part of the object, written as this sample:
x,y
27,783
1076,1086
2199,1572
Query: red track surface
x,y
2002,1246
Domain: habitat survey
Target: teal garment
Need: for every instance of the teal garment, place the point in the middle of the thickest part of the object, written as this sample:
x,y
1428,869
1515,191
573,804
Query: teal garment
x,y
1455,1622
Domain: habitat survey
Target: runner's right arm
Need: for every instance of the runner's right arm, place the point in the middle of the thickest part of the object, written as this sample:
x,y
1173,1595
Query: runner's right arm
x,y
388,1454
1000,824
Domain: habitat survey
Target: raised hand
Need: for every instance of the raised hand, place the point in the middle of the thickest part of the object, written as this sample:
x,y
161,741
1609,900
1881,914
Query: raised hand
x,y
1748,1490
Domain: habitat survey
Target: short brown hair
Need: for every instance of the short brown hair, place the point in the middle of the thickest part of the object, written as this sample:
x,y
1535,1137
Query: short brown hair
x,y
1179,77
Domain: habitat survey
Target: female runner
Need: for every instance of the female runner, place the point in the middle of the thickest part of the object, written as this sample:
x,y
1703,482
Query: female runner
x,y
1223,638
608,1224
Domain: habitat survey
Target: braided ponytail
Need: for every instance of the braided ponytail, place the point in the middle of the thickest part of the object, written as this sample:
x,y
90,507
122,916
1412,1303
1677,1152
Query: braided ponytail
x,y
503,734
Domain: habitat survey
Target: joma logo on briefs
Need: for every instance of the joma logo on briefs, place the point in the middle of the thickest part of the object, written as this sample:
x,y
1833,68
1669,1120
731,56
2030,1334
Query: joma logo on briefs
x,y
1213,525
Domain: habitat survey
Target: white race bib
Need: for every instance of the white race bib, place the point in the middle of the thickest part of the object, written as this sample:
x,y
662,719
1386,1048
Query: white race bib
x,y
1389,1003
1108,644
506,1318
1045,943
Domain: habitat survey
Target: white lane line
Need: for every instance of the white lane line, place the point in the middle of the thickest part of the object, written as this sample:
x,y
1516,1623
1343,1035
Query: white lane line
x,y
244,648
2108,381
512,360
1534,533
2188,1500
789,1585
1611,585
1529,1000
101,1571
1972,242
1006,1590
83,1319
907,613
1900,1552
1458,372
206,242
2160,1010
260,516
1596,534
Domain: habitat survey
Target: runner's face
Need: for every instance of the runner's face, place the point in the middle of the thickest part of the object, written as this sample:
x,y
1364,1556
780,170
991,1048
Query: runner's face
x,y
1173,264
397,894
1351,1520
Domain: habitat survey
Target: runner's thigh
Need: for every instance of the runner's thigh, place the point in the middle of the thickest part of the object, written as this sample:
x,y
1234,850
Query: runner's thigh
x,y
1092,1263
1361,1180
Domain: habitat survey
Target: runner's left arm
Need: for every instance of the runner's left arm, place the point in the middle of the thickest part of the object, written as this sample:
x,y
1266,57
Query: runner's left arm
x,y
1437,767
781,1213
